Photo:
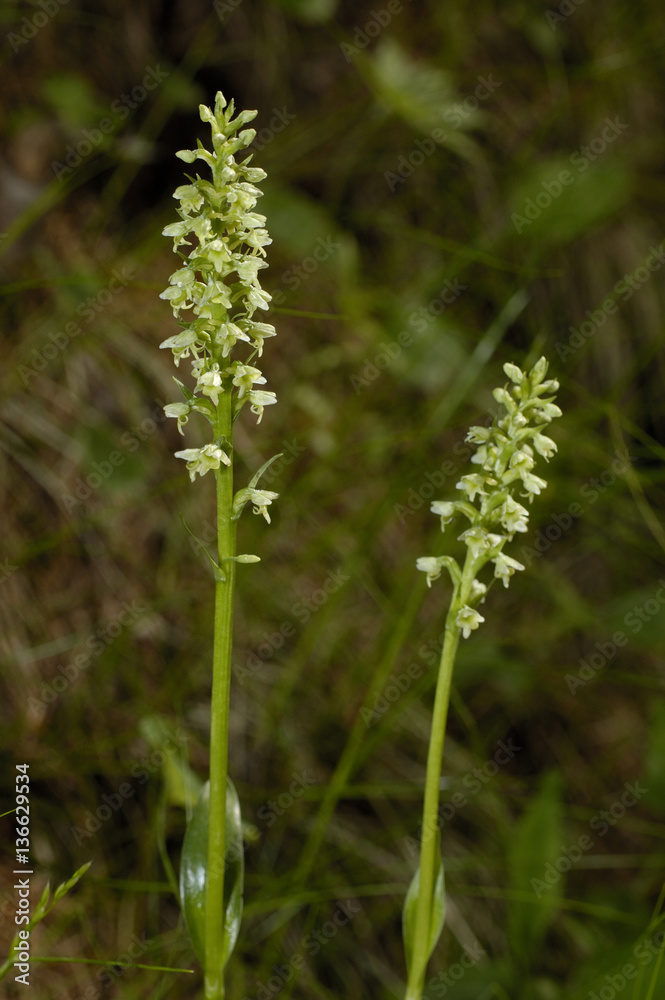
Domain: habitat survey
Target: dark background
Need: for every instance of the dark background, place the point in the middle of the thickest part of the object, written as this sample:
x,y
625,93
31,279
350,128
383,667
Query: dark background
x,y
450,186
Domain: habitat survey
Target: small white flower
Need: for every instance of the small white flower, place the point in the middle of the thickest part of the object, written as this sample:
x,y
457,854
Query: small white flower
x,y
248,269
258,298
478,590
259,399
220,256
178,230
210,383
185,276
446,511
479,435
514,517
181,344
533,485
226,336
544,446
503,396
201,460
476,539
486,455
521,462
547,412
244,377
467,619
179,410
471,485
514,373
176,409
189,196
504,567
261,499
494,540
430,565
258,332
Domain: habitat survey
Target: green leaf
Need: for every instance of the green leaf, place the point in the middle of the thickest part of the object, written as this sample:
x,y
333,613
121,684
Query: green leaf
x,y
42,906
217,571
73,100
187,393
437,910
422,95
257,475
194,868
535,850
558,201
64,887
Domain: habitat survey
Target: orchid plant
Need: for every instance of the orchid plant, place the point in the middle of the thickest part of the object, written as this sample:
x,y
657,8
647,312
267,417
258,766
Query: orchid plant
x,y
490,502
217,286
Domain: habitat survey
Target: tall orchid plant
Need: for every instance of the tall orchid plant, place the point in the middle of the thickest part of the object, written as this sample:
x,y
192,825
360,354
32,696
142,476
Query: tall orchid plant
x,y
217,286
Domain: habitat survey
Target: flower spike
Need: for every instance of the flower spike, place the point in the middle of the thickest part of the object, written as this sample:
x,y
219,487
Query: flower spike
x,y
215,292
504,459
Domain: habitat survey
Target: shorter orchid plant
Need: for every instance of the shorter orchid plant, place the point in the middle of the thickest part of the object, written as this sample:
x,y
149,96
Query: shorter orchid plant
x,y
491,505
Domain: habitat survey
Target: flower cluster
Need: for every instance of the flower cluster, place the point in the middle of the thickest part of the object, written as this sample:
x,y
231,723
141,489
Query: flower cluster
x,y
218,283
505,455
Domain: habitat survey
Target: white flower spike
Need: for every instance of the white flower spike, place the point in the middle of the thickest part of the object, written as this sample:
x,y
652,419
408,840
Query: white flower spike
x,y
215,291
504,459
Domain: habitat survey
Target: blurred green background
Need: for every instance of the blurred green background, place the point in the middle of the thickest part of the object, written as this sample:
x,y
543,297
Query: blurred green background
x,y
450,186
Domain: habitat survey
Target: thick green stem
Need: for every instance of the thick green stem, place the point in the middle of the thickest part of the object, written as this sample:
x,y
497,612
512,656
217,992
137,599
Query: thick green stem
x,y
219,719
429,843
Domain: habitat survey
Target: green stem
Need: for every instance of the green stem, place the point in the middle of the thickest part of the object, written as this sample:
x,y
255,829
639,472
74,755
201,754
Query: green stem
x,y
219,718
429,844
